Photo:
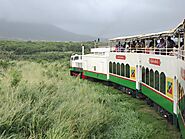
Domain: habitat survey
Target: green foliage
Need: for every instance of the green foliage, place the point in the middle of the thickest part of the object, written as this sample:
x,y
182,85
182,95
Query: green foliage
x,y
5,64
22,50
48,103
15,77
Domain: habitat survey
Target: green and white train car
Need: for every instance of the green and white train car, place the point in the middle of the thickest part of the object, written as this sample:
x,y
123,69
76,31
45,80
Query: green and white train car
x,y
154,74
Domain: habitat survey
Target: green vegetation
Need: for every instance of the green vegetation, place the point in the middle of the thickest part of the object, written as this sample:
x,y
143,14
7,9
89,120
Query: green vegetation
x,y
40,100
28,50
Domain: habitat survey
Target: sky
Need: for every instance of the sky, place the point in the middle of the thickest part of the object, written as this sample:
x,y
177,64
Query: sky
x,y
100,18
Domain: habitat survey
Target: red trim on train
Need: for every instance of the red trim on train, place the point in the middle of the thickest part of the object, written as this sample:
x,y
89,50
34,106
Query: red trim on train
x,y
123,77
157,92
95,72
135,81
112,75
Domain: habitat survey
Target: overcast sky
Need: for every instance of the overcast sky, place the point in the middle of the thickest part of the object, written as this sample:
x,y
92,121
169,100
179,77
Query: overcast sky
x,y
103,18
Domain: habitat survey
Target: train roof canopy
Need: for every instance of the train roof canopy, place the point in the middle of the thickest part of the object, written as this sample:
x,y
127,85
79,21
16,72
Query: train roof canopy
x,y
176,30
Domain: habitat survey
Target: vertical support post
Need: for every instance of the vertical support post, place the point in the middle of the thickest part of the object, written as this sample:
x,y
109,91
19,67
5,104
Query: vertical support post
x,y
107,57
178,41
178,55
145,46
154,46
166,45
137,77
175,105
83,48
175,96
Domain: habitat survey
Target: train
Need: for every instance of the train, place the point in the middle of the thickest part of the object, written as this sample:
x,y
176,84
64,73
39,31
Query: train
x,y
147,66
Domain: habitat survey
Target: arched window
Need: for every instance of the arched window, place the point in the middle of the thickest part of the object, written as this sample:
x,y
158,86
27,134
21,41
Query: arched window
x,y
127,71
122,70
143,74
147,76
157,80
110,67
162,83
118,69
114,68
152,78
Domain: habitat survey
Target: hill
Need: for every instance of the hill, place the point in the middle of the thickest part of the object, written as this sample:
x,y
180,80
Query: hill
x,y
35,31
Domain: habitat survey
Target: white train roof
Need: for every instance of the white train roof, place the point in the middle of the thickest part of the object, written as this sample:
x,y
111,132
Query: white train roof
x,y
152,35
94,50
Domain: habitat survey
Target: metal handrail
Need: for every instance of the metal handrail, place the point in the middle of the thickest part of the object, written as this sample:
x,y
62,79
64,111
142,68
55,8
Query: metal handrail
x,y
157,51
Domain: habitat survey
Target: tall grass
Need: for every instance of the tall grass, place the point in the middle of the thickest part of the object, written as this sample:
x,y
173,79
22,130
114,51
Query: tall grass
x,y
40,100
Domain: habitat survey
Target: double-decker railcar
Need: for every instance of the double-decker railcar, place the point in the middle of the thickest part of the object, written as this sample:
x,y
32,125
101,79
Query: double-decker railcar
x,y
151,66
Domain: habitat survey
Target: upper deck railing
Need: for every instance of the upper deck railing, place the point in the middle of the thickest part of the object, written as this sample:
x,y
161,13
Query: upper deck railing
x,y
180,54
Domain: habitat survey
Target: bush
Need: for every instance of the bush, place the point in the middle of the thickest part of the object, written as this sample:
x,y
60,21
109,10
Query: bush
x,y
15,77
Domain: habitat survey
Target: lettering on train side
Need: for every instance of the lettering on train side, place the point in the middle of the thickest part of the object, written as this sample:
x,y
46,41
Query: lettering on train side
x,y
183,73
155,61
122,57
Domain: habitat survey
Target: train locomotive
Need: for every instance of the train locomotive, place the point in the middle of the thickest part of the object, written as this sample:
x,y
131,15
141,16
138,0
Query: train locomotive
x,y
138,64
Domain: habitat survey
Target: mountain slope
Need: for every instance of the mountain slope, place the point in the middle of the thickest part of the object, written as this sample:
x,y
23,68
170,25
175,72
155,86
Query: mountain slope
x,y
33,31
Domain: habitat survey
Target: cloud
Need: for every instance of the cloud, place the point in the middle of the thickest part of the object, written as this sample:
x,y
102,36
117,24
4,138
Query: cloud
x,y
106,18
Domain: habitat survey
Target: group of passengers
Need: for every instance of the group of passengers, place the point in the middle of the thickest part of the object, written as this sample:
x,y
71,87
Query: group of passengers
x,y
160,46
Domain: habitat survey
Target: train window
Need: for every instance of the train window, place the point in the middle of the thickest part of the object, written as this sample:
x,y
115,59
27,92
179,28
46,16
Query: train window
x,y
152,78
147,76
122,70
156,80
76,58
143,74
162,83
118,69
94,68
127,71
114,68
72,58
110,67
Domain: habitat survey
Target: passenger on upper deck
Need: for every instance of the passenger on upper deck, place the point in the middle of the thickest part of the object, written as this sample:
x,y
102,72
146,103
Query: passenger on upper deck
x,y
119,47
124,45
160,46
127,47
162,43
170,43
143,43
138,46
133,46
151,44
